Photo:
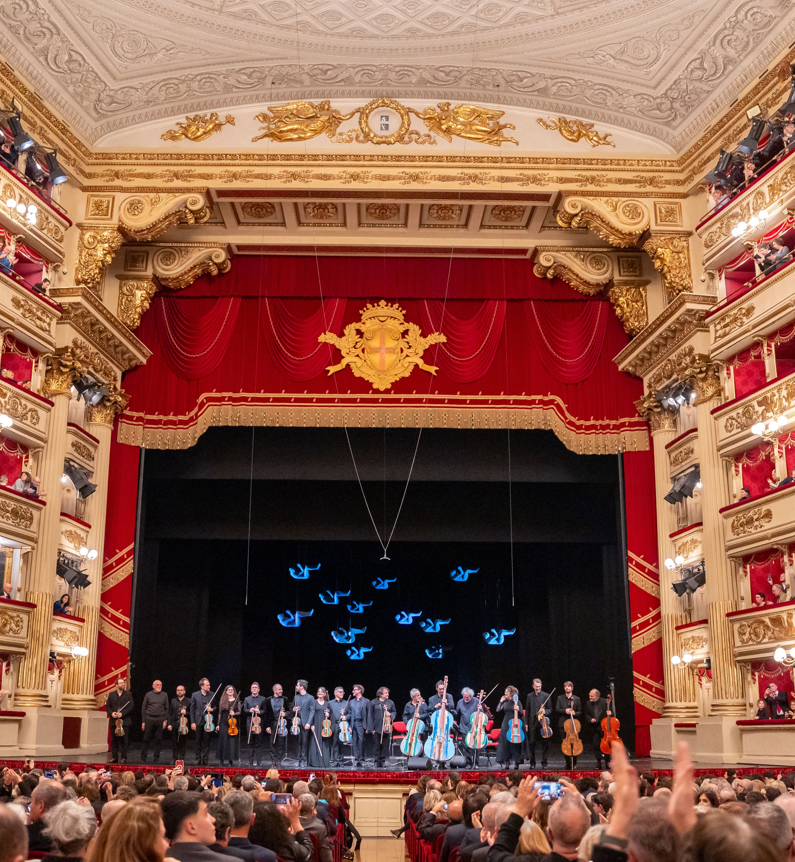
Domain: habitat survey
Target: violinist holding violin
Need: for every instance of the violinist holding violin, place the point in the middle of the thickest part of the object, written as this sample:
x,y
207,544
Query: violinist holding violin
x,y
537,705
337,706
277,711
382,713
255,706
323,732
179,723
119,707
567,706
303,708
228,726
596,710
200,707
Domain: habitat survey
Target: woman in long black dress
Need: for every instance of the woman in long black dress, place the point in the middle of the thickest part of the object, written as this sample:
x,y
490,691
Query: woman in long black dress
x,y
321,759
228,744
509,752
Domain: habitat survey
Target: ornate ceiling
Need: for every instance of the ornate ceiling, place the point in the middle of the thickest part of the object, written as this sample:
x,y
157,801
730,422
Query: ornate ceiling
x,y
664,68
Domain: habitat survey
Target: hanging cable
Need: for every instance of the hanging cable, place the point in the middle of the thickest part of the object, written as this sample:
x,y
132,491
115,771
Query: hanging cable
x,y
250,496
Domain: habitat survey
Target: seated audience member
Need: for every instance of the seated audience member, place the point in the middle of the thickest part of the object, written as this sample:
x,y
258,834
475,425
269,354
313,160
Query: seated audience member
x,y
761,710
278,827
601,803
189,827
311,823
42,286
70,828
780,252
8,592
469,830
745,494
718,838
444,814
779,593
35,488
224,820
8,153
138,828
62,605
720,197
23,483
761,600
13,836
242,805
46,795
8,257
787,480
478,851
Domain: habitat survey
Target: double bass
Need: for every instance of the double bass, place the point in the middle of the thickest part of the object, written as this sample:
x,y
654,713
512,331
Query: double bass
x,y
411,744
572,744
610,726
439,746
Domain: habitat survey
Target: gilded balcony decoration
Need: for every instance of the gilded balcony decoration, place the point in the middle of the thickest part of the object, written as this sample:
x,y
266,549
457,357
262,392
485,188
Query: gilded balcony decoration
x,y
15,626
650,409
628,299
29,411
693,639
135,297
19,516
28,316
96,248
757,632
589,271
760,523
576,130
46,235
670,254
109,407
688,542
683,453
702,374
144,217
621,222
66,365
736,418
81,446
73,535
65,632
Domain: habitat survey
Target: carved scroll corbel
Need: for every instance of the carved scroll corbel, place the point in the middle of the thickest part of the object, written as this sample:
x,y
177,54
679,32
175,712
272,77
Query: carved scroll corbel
x,y
135,297
143,217
588,271
621,222
179,266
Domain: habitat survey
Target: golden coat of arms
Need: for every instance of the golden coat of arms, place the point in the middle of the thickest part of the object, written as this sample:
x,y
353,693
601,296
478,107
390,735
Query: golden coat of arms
x,y
382,347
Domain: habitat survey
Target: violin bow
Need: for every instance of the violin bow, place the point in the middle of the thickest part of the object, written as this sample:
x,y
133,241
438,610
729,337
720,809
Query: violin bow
x,y
207,707
317,743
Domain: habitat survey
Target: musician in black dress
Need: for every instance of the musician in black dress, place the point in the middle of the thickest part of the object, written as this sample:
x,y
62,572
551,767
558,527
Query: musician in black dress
x,y
568,705
380,728
359,718
303,706
229,733
320,746
337,706
596,710
119,705
255,704
277,710
179,708
509,752
537,700
200,706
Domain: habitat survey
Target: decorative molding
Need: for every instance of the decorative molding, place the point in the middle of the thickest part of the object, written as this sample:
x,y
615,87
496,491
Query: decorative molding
x,y
323,211
382,211
15,406
177,266
40,316
82,451
670,368
47,222
628,299
197,128
11,623
109,407
96,248
143,217
772,403
445,212
749,522
75,539
736,319
668,213
17,514
688,547
65,366
507,212
135,296
693,644
670,254
95,361
588,271
576,130
650,409
68,637
702,374
258,209
621,222
681,456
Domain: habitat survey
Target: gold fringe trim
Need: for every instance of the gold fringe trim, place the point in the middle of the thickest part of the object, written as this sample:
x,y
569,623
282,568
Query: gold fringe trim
x,y
117,577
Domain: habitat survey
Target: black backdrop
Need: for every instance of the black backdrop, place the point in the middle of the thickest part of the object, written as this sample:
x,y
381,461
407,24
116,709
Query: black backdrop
x,y
207,599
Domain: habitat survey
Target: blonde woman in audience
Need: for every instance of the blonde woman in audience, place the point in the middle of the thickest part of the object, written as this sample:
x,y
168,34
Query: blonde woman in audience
x,y
532,841
591,837
137,828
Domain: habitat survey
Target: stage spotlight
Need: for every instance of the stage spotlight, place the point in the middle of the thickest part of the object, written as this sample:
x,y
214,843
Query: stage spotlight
x,y
69,570
721,170
749,144
83,487
679,587
96,394
82,385
22,140
675,495
698,580
57,174
34,171
691,482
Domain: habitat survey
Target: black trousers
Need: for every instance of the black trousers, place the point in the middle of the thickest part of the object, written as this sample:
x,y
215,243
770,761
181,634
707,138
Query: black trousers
x,y
179,743
255,746
153,729
303,744
571,762
278,746
597,751
357,741
119,744
203,739
381,748
533,738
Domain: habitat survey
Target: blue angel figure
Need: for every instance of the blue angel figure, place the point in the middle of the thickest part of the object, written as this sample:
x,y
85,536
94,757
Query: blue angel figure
x,y
302,572
329,598
382,584
358,607
430,626
347,636
495,637
435,652
406,618
292,620
357,652
461,574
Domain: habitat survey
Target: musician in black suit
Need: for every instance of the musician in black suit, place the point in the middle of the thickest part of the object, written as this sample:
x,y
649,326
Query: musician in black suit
x,y
435,702
596,710
359,718
537,700
119,705
255,704
200,706
180,705
382,739
568,705
276,703
777,702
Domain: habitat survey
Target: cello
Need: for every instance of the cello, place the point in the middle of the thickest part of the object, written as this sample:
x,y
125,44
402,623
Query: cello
x,y
610,727
439,746
476,738
411,744
516,732
572,744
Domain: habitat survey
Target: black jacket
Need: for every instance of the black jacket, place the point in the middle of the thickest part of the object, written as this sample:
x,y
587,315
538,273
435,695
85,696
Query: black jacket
x,y
117,702
175,710
377,713
562,705
594,709
533,704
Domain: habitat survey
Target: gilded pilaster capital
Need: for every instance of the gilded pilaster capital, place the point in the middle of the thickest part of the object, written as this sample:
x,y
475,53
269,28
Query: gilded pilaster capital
x,y
109,407
588,271
670,254
135,296
621,222
650,409
65,366
702,374
628,299
96,248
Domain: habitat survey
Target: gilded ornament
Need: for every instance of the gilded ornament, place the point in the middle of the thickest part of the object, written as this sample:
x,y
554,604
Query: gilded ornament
x,y
136,261
668,213
702,374
743,419
13,405
681,456
507,212
382,347
167,257
750,522
470,122
109,407
688,547
587,271
75,539
364,121
82,451
671,258
445,212
96,250
16,514
322,211
197,128
734,320
11,623
65,366
94,359
576,130
693,644
629,303
300,121
382,212
650,409
778,400
135,296
259,210
99,207
782,626
28,308
754,632
67,637
621,222
668,369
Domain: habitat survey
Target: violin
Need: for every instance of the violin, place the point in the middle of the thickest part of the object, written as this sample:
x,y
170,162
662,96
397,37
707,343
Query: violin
x,y
411,744
345,728
439,746
256,721
572,744
476,738
183,722
281,725
119,727
386,726
325,727
546,730
610,727
295,725
516,731
209,723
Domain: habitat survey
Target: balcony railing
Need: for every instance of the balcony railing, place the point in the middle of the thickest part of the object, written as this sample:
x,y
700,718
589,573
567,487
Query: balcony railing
x,y
15,626
65,633
74,534
81,446
753,525
29,316
19,516
683,452
46,236
30,412
758,632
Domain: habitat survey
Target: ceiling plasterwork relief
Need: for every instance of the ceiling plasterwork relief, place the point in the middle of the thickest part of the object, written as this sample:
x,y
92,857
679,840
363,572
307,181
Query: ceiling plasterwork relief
x,y
669,82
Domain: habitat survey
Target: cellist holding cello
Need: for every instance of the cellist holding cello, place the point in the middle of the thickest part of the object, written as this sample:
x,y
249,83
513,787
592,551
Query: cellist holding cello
x,y
596,710
568,706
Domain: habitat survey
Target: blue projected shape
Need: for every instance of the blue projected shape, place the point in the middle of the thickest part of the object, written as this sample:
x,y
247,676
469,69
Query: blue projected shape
x,y
355,653
292,620
406,618
461,574
495,637
303,572
382,584
435,652
358,607
347,636
430,626
329,598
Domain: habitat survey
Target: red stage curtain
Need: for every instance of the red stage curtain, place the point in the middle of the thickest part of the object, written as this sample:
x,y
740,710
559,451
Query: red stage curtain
x,y
293,341
194,334
471,342
644,595
568,337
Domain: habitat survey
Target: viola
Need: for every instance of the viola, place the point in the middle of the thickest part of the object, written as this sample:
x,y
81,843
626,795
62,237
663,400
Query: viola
x,y
411,744
572,744
476,738
546,730
610,728
439,746
295,725
516,731
281,725
209,723
256,721
345,728
183,722
325,727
